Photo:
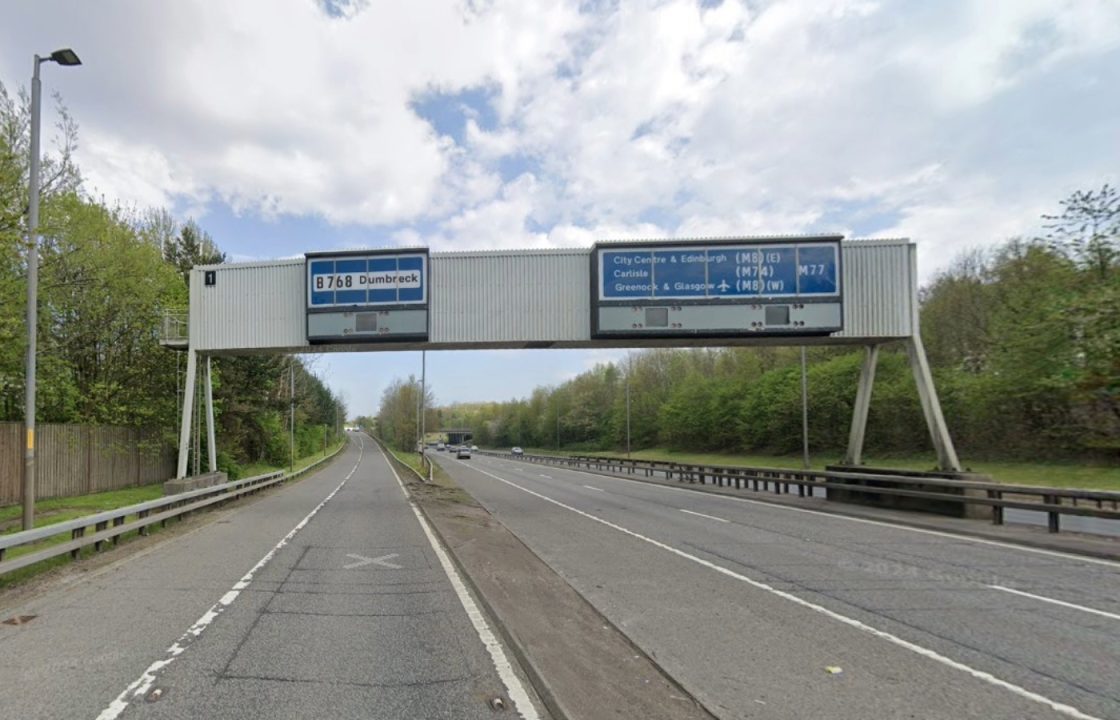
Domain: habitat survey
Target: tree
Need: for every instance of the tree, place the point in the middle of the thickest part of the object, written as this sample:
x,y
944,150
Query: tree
x,y
1088,230
192,246
59,175
396,418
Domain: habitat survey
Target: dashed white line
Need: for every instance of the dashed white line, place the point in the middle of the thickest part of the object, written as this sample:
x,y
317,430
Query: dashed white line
x,y
592,487
517,693
1061,708
865,521
140,687
698,514
546,476
1053,601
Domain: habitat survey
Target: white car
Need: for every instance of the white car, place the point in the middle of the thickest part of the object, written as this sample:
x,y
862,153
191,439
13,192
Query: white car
x,y
463,453
474,448
517,451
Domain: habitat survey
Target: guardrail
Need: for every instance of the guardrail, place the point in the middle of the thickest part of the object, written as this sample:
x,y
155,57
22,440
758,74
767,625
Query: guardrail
x,y
1055,502
110,525
175,328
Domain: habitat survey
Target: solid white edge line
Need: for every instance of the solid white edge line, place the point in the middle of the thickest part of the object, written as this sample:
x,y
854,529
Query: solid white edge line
x,y
1054,601
866,521
141,685
517,693
700,514
592,487
1067,710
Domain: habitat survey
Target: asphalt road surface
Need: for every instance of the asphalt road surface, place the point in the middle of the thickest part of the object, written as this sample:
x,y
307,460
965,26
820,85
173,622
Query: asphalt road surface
x,y
326,599
776,612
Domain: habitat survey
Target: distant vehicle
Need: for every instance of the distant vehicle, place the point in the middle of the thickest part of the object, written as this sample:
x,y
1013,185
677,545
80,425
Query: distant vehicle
x,y
441,446
474,448
517,451
463,453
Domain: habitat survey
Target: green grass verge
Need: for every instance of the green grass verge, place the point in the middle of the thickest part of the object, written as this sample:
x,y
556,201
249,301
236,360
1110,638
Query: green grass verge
x,y
56,510
410,459
301,463
1087,476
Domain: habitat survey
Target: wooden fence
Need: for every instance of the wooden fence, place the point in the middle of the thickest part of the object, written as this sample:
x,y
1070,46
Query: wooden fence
x,y
81,459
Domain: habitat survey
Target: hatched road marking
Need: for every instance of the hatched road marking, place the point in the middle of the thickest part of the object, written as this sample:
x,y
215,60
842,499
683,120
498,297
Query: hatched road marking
x,y
362,561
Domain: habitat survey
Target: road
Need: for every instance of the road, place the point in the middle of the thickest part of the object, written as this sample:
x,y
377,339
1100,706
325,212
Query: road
x,y
767,611
327,598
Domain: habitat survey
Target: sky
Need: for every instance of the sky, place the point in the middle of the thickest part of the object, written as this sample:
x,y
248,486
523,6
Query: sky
x,y
289,126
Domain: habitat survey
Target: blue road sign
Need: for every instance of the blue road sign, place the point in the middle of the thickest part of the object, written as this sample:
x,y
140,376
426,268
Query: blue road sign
x,y
349,280
790,270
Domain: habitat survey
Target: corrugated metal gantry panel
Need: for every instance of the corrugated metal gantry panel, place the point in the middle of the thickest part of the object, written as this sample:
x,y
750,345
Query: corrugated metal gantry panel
x,y
511,297
879,290
250,306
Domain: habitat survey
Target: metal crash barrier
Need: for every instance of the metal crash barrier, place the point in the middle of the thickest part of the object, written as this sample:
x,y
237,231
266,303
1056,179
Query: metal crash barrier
x,y
1054,502
110,525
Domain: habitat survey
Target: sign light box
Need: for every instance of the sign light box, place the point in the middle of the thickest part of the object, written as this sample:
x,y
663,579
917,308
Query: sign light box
x,y
367,296
790,286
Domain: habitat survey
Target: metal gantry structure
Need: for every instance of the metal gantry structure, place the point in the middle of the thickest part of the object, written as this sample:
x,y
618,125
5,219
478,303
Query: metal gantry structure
x,y
702,292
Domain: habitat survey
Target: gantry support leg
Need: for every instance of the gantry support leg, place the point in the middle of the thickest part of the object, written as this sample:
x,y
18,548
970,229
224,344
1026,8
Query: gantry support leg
x,y
931,407
862,406
211,446
188,409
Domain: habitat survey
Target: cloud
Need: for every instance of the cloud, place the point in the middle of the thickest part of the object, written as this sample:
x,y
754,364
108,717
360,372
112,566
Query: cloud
x,y
545,123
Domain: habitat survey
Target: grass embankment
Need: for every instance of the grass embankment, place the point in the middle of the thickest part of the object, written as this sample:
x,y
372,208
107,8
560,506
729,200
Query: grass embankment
x,y
57,510
301,463
1090,476
410,459
441,489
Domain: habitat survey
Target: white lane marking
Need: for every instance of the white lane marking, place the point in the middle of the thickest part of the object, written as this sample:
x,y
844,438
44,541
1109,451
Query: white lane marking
x,y
865,521
592,487
141,685
1063,603
521,702
1061,708
362,561
546,476
710,517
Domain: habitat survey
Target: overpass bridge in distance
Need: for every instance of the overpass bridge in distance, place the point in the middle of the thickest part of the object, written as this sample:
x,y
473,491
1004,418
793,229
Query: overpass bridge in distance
x,y
561,298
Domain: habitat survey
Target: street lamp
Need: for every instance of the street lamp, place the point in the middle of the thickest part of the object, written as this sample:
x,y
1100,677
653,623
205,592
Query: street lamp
x,y
67,57
629,372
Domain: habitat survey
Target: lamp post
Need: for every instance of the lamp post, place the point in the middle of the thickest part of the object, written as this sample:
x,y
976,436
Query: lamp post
x,y
804,410
65,56
629,372
423,400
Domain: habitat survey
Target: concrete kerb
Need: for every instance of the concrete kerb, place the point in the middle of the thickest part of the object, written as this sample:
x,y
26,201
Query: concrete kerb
x,y
1068,542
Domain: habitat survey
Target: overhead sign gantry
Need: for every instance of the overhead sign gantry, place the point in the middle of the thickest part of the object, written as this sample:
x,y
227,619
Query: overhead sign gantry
x,y
786,290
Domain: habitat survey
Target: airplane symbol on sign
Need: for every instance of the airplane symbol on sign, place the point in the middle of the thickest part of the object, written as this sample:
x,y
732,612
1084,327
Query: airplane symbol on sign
x,y
723,286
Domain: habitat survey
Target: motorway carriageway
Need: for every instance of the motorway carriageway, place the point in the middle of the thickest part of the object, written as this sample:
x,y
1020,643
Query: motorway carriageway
x,y
328,598
771,611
